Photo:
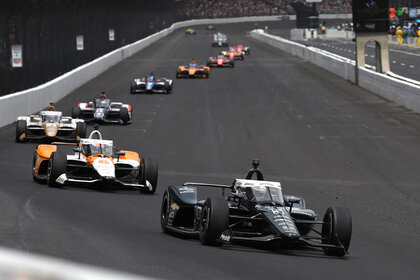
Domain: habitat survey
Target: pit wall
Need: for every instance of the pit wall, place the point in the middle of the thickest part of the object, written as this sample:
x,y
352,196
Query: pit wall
x,y
35,99
400,90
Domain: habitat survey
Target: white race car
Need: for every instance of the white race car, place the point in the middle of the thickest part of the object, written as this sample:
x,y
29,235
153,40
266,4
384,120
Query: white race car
x,y
94,161
49,125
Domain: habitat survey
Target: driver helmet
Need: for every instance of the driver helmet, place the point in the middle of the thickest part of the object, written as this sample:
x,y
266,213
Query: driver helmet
x,y
51,107
103,95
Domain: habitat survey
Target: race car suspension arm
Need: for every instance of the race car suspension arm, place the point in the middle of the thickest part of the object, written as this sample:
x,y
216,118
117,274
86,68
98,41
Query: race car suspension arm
x,y
245,219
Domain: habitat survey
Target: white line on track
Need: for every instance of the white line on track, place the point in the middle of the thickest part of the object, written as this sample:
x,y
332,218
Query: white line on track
x,y
394,61
402,64
411,66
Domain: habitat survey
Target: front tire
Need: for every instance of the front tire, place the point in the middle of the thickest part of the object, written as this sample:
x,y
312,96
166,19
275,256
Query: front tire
x,y
56,166
149,174
164,211
21,128
133,87
213,221
336,230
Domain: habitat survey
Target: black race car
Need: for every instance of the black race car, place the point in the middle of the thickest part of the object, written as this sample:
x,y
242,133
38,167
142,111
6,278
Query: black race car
x,y
102,110
253,211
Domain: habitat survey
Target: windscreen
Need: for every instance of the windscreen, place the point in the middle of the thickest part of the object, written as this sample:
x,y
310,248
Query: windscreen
x,y
263,194
50,118
101,103
97,148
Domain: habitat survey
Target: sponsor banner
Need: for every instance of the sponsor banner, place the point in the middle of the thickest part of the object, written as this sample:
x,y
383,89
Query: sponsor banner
x,y
79,43
111,33
412,13
17,56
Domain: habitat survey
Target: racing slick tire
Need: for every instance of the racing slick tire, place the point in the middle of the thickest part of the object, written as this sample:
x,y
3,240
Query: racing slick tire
x,y
34,177
81,130
213,221
206,73
75,112
336,230
164,211
21,128
124,116
149,172
56,166
168,87
133,87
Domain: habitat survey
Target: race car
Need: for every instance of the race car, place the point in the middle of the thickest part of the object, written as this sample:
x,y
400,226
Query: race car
x,y
241,48
102,110
190,31
93,162
151,84
253,211
49,125
220,61
192,70
219,40
233,54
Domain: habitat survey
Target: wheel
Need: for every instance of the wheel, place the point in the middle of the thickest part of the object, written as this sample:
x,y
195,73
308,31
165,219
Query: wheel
x,y
213,221
56,166
33,166
75,112
21,130
81,129
207,73
149,173
124,116
336,230
167,87
164,211
133,87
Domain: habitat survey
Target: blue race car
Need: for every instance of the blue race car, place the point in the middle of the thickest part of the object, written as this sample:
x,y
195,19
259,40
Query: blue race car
x,y
151,84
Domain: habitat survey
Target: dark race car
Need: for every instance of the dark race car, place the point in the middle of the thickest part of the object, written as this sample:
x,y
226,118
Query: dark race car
x,y
102,110
253,211
220,61
151,84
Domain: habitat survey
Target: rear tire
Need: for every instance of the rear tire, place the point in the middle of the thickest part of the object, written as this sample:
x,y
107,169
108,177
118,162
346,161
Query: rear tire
x,y
124,116
56,166
336,230
150,173
75,112
213,221
21,128
81,129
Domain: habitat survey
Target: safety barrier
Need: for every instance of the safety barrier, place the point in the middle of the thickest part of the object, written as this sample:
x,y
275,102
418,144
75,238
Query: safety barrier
x,y
400,90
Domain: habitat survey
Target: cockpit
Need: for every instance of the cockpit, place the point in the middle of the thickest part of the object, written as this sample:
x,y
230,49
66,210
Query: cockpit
x,y
192,65
260,191
97,148
151,78
51,117
102,103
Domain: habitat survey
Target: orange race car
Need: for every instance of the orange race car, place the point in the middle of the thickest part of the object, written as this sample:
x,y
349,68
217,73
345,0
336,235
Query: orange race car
x,y
192,70
93,161
233,53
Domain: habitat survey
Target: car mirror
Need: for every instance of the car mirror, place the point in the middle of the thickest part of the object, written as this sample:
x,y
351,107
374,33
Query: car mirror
x,y
119,154
78,150
238,195
293,200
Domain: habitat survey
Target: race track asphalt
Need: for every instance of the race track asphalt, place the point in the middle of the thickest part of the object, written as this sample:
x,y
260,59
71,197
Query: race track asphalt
x,y
321,136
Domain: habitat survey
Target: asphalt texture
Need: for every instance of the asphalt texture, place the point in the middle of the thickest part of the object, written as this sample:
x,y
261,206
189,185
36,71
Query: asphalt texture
x,y
320,136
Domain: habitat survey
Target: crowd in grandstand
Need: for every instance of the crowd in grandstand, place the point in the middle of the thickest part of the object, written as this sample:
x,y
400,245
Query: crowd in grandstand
x,y
236,8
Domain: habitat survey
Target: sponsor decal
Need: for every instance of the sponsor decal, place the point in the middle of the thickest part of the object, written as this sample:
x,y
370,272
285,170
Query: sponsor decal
x,y
186,190
225,237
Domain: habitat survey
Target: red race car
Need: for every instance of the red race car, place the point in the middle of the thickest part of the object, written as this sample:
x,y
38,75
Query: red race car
x,y
242,48
220,61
